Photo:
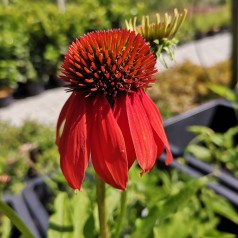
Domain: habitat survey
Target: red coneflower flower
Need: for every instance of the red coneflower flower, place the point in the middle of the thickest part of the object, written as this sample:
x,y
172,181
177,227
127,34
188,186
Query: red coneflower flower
x,y
108,115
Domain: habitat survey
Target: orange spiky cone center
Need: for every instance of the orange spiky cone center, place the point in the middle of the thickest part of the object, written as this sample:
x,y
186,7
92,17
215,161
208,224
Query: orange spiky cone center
x,y
109,62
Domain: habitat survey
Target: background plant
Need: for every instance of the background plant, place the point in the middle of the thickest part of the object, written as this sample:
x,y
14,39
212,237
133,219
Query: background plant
x,y
219,149
26,152
36,40
15,64
167,204
192,86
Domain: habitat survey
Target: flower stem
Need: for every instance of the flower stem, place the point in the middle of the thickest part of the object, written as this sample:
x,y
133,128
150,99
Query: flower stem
x,y
122,213
15,219
101,201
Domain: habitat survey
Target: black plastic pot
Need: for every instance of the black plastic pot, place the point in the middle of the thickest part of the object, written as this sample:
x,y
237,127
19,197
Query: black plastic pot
x,y
219,115
18,205
36,195
224,178
34,88
39,198
6,101
28,89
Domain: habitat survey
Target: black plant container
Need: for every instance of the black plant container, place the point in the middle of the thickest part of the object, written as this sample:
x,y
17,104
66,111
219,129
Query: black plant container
x,y
219,115
18,205
34,88
28,89
36,195
39,198
6,101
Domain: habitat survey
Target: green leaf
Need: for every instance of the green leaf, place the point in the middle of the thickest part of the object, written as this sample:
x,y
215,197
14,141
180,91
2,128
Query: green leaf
x,y
229,137
146,225
174,202
89,228
176,226
199,152
200,130
223,208
216,234
73,217
83,219
224,91
60,224
165,208
217,139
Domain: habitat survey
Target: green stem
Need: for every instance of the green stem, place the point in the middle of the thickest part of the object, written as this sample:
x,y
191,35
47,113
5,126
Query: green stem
x,y
101,201
122,213
15,219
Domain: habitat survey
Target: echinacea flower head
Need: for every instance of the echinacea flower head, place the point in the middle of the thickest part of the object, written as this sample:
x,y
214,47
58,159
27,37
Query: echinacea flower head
x,y
161,33
108,116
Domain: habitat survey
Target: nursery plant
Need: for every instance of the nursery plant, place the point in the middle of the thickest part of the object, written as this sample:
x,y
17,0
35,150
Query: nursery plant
x,y
160,204
166,202
218,149
8,77
194,85
38,49
26,152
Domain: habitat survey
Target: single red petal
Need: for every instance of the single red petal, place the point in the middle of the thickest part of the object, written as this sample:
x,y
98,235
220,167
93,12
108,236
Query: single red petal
x,y
120,114
108,148
156,123
141,132
61,118
73,144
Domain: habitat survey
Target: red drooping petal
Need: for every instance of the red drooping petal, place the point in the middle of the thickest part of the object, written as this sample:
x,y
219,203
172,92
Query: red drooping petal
x,y
108,148
120,114
73,144
157,124
61,119
141,132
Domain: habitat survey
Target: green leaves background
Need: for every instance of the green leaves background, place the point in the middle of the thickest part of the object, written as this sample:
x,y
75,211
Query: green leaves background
x,y
160,204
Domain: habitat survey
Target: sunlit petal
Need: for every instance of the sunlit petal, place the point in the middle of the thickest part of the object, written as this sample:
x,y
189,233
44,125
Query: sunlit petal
x,y
120,113
141,132
62,117
107,144
73,144
157,124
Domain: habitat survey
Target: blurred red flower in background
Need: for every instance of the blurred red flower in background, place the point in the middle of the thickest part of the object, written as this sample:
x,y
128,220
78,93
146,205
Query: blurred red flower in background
x,y
109,117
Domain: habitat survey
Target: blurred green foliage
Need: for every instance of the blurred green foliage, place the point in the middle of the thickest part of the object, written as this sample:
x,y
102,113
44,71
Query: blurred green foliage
x,y
218,149
159,204
35,35
187,85
26,152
